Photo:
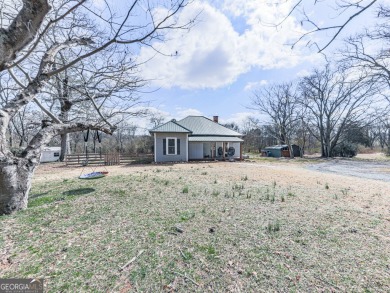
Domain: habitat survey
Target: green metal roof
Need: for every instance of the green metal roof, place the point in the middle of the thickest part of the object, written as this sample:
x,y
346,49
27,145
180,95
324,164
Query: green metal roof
x,y
171,126
202,126
214,139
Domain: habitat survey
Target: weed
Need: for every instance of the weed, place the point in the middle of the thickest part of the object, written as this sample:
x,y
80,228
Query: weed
x,y
238,186
274,184
267,195
185,189
215,181
245,178
248,194
186,255
273,227
345,191
204,173
290,194
321,232
209,249
166,182
282,198
187,215
326,186
215,193
120,192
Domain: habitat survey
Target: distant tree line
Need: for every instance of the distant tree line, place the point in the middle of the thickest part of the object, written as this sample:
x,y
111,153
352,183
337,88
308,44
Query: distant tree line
x,y
335,109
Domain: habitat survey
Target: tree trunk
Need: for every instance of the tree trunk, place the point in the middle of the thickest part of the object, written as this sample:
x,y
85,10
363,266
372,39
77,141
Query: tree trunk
x,y
11,141
64,146
15,184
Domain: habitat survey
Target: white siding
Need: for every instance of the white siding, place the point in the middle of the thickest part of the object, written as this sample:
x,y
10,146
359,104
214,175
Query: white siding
x,y
236,146
195,150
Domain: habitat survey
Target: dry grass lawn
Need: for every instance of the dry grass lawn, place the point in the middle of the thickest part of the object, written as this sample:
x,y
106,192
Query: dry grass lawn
x,y
206,227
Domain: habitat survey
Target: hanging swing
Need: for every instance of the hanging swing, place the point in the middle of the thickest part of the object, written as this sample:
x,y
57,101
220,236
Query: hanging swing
x,y
94,174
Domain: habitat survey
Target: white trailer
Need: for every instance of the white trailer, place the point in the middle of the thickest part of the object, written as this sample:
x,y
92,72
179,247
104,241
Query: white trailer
x,y
50,154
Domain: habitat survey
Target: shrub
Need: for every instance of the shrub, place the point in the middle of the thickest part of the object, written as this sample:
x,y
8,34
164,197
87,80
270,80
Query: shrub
x,y
345,149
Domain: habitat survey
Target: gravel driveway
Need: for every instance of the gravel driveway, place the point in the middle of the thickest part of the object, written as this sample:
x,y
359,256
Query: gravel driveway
x,y
362,169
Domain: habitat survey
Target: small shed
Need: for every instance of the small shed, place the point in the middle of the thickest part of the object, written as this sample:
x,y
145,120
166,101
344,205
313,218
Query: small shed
x,y
278,151
50,154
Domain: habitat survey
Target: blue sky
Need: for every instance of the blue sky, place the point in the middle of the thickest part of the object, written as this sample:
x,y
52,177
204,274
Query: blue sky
x,y
229,53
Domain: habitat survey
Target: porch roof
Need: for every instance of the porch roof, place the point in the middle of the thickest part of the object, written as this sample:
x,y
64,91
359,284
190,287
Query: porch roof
x,y
214,139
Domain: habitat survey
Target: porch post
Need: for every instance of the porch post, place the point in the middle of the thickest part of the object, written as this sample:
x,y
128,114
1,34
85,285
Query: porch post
x,y
155,148
188,147
240,151
223,151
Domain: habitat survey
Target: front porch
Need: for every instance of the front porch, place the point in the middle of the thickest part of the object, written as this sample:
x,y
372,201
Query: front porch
x,y
214,148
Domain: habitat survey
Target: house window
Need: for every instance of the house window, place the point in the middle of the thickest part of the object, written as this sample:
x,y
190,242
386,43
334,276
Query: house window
x,y
171,146
56,154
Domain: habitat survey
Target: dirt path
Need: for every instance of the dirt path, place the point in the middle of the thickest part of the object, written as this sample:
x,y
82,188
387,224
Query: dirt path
x,y
361,169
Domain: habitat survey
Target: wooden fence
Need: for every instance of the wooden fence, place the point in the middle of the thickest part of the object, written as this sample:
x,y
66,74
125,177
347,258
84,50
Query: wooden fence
x,y
105,159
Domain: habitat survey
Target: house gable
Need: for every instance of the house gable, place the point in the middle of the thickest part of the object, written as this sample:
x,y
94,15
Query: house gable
x,y
171,127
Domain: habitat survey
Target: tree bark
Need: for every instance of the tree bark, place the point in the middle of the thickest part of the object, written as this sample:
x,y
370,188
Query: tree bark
x,y
15,184
22,30
64,146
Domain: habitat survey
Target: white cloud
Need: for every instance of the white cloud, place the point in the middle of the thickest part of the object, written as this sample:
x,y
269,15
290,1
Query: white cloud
x,y
182,113
143,123
255,84
303,73
238,118
213,54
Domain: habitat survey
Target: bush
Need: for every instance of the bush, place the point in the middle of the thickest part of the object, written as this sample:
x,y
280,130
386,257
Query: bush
x,y
345,149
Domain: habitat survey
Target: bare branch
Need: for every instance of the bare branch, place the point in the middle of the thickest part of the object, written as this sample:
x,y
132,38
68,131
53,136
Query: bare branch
x,y
43,33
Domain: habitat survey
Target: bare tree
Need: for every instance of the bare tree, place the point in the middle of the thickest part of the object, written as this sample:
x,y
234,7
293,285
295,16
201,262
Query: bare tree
x,y
33,63
333,100
258,136
279,102
343,16
156,119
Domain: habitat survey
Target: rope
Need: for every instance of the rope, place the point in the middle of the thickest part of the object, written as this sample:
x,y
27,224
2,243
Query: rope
x,y
86,136
97,136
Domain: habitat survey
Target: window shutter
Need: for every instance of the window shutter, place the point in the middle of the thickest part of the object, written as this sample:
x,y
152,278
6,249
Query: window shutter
x,y
164,146
178,146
